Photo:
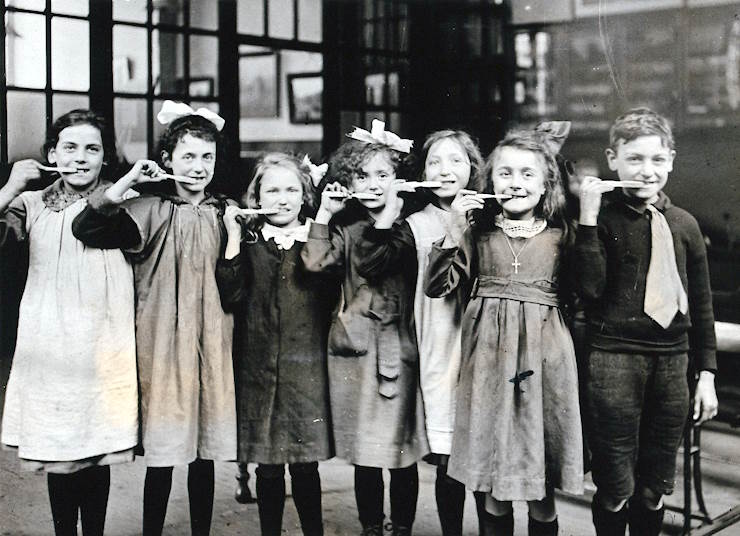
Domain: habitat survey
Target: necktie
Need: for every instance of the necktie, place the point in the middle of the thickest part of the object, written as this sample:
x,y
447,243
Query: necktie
x,y
664,293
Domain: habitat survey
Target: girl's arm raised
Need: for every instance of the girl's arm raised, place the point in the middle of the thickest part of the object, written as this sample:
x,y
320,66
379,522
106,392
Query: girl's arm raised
x,y
450,267
324,249
102,224
384,251
230,273
12,209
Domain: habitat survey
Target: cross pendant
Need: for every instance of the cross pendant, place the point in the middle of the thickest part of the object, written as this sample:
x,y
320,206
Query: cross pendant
x,y
516,264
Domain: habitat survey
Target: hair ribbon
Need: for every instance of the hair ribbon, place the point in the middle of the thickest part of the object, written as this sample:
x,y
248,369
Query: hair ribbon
x,y
174,110
379,135
317,172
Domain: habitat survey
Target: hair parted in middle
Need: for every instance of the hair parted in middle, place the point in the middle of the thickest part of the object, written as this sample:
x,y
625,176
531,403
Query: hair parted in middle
x,y
278,160
552,204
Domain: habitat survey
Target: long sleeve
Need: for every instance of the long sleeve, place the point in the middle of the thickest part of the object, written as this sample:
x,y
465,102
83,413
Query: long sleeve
x,y
324,249
702,337
383,252
589,262
105,225
450,268
232,284
13,222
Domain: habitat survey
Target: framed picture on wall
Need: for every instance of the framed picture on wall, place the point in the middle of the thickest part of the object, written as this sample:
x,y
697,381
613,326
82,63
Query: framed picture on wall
x,y
304,97
259,84
593,8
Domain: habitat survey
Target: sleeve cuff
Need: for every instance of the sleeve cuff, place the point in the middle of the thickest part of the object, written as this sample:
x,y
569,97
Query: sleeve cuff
x,y
377,235
318,230
101,203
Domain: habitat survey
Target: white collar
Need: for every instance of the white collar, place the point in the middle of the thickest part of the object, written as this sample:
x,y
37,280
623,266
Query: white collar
x,y
520,228
285,237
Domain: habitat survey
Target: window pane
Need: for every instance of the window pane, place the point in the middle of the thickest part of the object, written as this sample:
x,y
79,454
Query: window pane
x,y
167,62
203,66
130,10
281,18
213,106
250,17
61,104
259,92
168,12
130,121
70,54
204,14
309,20
348,121
26,124
36,5
70,7
129,59
25,49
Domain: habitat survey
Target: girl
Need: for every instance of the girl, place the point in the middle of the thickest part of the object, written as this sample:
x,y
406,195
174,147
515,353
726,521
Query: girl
x,y
373,363
517,430
71,405
280,346
451,158
183,336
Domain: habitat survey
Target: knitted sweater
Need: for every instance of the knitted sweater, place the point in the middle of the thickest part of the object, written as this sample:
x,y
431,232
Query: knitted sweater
x,y
611,263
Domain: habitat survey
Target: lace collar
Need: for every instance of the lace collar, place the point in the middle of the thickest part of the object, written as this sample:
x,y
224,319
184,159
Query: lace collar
x,y
520,228
56,197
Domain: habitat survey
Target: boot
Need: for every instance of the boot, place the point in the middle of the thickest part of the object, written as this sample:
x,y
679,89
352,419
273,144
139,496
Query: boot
x,y
398,530
644,521
608,523
543,528
372,530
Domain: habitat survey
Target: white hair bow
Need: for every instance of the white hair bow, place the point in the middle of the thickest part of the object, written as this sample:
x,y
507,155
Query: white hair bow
x,y
173,110
317,172
378,134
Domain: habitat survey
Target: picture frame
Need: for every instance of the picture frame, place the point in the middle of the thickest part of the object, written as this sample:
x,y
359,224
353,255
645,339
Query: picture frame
x,y
201,87
592,8
259,85
305,92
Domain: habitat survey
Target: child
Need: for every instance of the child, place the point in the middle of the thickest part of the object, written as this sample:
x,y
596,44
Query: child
x,y
183,336
280,346
517,427
71,407
643,272
452,158
373,362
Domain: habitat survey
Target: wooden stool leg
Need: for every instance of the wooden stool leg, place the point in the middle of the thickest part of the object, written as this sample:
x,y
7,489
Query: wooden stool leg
x,y
697,475
242,494
687,478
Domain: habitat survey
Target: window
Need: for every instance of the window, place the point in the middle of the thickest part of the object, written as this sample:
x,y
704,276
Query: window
x,y
47,67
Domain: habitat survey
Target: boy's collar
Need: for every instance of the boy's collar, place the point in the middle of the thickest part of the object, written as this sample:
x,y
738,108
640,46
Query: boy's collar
x,y
661,204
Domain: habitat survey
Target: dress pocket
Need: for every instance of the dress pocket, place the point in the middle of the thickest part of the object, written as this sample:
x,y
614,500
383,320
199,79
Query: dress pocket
x,y
349,335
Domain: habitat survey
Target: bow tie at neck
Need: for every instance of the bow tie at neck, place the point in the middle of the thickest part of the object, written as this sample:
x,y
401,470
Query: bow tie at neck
x,y
285,237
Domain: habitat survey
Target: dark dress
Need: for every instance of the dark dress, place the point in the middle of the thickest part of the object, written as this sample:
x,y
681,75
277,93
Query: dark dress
x,y
376,401
282,316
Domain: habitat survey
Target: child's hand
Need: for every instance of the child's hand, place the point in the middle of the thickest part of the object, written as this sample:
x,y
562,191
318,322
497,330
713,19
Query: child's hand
x,y
590,195
393,204
705,398
333,199
144,171
465,201
23,172
233,227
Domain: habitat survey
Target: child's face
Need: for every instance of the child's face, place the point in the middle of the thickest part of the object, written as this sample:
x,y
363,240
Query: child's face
x,y
448,163
521,174
80,147
645,159
195,158
376,174
281,189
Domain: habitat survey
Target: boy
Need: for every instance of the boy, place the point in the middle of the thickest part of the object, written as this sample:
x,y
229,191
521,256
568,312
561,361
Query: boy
x,y
642,268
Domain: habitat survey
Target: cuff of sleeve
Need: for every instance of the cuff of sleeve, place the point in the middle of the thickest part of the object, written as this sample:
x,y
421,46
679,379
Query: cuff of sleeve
x,y
230,264
102,203
318,230
707,360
